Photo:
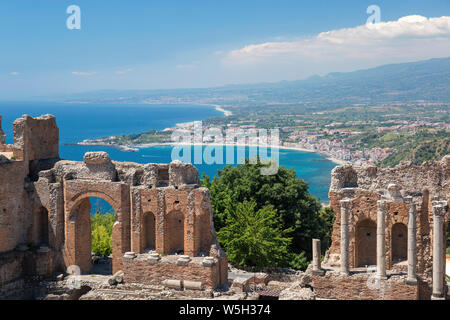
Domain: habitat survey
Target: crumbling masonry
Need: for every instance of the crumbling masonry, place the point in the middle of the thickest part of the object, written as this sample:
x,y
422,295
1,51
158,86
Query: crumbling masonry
x,y
388,239
163,233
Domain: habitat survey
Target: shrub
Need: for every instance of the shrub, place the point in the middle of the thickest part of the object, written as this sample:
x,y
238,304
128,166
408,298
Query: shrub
x,y
101,233
253,237
294,208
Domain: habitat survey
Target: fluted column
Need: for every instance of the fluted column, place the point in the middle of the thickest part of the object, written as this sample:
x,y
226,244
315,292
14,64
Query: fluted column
x,y
346,207
412,246
439,208
381,236
317,269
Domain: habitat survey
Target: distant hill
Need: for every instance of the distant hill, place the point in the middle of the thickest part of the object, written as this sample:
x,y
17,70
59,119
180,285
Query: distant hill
x,y
406,82
424,80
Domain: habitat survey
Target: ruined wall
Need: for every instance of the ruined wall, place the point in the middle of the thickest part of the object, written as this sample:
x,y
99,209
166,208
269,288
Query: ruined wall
x,y
366,185
362,287
155,271
45,209
15,213
412,179
398,187
38,137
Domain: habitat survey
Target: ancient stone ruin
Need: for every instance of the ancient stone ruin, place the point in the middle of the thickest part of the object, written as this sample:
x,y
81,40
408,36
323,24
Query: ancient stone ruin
x,y
388,239
163,233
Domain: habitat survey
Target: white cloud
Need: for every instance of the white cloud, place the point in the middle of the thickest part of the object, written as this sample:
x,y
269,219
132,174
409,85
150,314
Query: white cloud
x,y
14,73
410,37
121,72
80,73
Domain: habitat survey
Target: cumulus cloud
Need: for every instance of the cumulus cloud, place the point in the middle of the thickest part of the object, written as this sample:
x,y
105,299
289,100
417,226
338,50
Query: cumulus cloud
x,y
81,73
409,37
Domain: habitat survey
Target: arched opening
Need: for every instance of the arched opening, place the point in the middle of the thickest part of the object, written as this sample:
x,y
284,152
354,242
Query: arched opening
x,y
399,242
175,232
42,225
148,232
90,228
366,243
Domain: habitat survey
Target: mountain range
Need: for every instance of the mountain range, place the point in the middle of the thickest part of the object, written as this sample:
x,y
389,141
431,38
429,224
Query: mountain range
x,y
422,81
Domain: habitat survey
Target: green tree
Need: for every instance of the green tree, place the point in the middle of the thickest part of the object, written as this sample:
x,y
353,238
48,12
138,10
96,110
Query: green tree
x,y
327,220
297,209
101,233
254,237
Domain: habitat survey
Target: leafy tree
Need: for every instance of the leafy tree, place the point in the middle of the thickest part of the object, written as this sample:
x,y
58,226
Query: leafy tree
x,y
297,261
297,209
327,220
254,237
101,233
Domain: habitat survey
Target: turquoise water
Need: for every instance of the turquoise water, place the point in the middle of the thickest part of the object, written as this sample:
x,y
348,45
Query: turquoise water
x,y
80,121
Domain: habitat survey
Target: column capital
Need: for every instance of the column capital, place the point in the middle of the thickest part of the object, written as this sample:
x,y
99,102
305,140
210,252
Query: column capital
x,y
394,192
382,204
412,210
346,203
408,199
439,209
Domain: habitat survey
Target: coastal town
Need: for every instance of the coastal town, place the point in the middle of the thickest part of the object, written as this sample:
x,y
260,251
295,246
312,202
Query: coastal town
x,y
367,141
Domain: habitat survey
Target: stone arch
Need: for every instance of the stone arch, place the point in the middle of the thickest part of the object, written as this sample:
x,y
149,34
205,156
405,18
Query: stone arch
x,y
94,194
78,242
366,243
148,231
399,242
174,232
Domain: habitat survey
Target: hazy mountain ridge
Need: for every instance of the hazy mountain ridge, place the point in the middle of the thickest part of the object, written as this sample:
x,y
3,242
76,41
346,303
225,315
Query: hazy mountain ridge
x,y
427,80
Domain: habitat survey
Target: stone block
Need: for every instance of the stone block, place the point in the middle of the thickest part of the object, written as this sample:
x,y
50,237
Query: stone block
x,y
209,262
241,284
192,285
173,284
183,261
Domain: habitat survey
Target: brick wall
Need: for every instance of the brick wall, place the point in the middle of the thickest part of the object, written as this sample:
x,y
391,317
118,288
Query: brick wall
x,y
361,287
139,270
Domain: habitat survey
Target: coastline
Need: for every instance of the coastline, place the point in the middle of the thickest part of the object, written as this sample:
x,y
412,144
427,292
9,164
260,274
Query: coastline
x,y
227,113
134,148
219,108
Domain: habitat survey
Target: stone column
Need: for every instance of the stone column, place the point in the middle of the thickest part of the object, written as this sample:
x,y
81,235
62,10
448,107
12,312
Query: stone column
x,y
438,247
317,270
412,246
346,207
381,236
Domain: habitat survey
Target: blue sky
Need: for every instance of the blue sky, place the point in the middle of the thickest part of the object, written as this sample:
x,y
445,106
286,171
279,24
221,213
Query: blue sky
x,y
178,44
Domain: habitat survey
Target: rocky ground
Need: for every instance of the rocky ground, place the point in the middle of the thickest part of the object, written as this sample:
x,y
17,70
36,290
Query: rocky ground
x,y
284,284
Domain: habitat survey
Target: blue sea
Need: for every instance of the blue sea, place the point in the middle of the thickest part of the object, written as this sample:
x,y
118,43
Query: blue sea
x,y
77,122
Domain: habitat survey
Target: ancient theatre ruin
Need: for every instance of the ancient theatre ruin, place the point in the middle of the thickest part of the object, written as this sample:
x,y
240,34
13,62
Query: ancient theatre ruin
x,y
163,231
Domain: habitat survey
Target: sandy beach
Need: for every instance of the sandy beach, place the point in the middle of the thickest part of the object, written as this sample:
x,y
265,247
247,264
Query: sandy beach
x,y
227,113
